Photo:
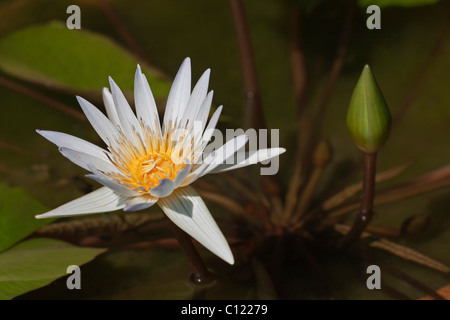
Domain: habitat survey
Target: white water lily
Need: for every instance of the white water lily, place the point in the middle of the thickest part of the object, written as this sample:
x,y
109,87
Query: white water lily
x,y
147,163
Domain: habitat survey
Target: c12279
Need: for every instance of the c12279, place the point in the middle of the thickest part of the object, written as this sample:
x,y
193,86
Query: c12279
x,y
246,309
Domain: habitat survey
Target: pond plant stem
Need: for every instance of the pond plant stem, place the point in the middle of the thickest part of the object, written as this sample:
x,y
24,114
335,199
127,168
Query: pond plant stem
x,y
200,274
254,116
365,213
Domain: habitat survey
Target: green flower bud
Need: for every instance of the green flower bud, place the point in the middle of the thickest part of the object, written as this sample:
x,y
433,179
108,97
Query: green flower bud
x,y
368,116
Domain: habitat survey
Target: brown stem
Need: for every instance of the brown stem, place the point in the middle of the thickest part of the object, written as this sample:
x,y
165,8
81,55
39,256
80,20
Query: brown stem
x,y
351,190
254,116
366,208
337,64
299,76
41,98
200,274
305,132
307,194
402,191
123,30
234,207
248,191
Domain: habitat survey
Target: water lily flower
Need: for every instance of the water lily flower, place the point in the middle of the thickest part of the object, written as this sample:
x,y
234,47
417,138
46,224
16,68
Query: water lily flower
x,y
147,162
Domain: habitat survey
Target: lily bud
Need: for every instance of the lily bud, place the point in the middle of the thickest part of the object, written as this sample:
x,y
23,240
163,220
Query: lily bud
x,y
368,116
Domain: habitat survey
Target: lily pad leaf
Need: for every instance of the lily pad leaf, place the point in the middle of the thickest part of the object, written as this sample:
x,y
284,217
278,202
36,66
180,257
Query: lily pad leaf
x,y
38,262
17,211
76,60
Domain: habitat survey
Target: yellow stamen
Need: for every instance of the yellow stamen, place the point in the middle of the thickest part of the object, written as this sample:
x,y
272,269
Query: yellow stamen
x,y
144,161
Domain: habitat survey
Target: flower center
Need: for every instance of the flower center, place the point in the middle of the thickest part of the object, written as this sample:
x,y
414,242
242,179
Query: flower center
x,y
147,170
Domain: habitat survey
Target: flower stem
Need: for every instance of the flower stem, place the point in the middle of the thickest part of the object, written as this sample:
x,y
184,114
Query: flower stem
x,y
337,64
254,113
200,274
303,129
365,213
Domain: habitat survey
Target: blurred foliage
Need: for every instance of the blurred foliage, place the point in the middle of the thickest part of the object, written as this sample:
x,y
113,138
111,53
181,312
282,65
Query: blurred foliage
x,y
35,49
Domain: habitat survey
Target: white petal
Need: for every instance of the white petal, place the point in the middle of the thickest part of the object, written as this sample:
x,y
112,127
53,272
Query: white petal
x,y
100,200
112,184
145,102
99,121
181,176
83,160
203,111
195,101
128,120
179,95
249,158
64,140
188,211
110,107
199,171
212,125
201,140
139,203
209,131
200,90
200,121
220,156
164,188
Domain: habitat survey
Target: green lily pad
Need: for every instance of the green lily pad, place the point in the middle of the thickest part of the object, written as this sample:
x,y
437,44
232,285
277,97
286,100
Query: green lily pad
x,y
79,60
37,262
17,211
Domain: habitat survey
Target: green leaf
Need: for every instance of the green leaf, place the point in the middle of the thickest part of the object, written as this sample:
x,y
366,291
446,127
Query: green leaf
x,y
37,262
400,3
17,211
55,56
